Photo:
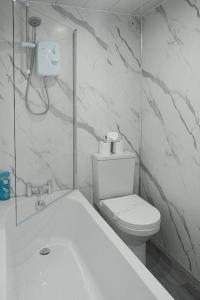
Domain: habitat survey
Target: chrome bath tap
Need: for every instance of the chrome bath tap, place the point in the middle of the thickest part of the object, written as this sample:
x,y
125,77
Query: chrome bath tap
x,y
39,191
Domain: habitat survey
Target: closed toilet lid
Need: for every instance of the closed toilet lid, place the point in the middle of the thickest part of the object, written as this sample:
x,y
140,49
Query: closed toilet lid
x,y
132,212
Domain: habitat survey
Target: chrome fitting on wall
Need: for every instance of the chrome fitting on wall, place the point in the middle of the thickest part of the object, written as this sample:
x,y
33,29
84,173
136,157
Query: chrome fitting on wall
x,y
39,190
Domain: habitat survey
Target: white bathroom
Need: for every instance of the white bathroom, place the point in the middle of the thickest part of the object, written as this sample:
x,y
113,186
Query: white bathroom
x,y
99,149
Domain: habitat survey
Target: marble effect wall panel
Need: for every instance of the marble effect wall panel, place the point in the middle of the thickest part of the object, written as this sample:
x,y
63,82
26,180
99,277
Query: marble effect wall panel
x,y
170,160
108,86
108,93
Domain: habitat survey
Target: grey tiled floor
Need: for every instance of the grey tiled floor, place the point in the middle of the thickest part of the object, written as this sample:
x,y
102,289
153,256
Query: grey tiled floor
x,y
175,281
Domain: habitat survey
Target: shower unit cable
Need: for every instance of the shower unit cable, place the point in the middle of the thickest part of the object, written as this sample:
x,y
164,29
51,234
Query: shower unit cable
x,y
34,22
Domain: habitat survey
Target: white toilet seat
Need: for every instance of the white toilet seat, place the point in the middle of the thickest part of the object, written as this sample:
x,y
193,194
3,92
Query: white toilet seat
x,y
132,214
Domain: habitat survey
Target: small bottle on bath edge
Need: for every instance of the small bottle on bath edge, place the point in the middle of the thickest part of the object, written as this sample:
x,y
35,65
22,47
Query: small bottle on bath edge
x,y
4,186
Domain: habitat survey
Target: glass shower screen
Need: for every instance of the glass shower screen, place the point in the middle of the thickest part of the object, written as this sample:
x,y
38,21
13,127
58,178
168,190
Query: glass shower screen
x,y
43,59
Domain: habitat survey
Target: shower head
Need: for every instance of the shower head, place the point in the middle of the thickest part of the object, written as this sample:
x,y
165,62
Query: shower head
x,y
34,21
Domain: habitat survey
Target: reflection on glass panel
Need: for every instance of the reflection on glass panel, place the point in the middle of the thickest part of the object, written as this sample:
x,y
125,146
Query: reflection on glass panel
x,y
43,59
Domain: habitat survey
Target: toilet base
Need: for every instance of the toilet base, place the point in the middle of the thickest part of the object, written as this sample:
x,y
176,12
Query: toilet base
x,y
140,252
137,244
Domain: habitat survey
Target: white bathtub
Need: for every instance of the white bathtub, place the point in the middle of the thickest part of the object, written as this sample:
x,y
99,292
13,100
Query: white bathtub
x,y
87,259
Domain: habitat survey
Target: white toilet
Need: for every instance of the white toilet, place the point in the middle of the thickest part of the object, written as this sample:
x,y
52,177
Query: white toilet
x,y
134,219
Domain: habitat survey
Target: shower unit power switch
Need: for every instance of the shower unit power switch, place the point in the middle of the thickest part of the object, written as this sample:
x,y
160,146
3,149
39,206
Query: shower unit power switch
x,y
48,59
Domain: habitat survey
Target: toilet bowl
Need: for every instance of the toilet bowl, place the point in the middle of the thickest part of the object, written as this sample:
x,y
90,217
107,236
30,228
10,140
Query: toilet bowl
x,y
133,218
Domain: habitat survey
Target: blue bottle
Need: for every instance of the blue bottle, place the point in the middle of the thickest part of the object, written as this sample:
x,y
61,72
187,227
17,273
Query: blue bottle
x,y
4,186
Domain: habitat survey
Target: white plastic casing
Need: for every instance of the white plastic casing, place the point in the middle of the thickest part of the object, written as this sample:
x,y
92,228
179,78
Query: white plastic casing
x,y
113,175
48,58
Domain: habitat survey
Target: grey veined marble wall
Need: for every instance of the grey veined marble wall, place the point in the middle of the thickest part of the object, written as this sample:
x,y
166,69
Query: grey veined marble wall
x,y
170,175
108,93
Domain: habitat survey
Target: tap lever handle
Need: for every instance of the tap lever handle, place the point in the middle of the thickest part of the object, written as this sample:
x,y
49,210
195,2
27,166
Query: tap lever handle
x,y
28,189
50,187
